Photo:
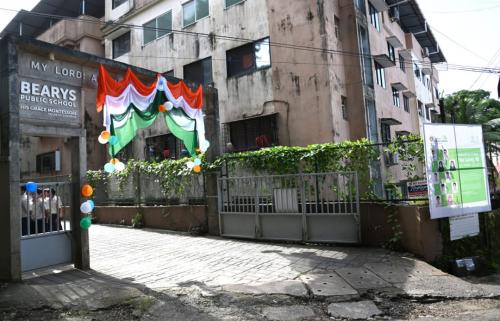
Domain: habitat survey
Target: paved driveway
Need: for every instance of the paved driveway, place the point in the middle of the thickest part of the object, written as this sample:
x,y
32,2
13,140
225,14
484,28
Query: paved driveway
x,y
160,259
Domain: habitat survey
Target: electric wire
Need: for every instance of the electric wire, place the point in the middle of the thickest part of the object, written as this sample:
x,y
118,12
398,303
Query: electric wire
x,y
272,44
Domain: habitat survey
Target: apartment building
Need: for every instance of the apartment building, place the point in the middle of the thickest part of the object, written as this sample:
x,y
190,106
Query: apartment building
x,y
290,72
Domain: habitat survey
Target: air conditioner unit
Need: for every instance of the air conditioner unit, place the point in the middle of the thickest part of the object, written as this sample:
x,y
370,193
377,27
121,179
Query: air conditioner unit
x,y
394,14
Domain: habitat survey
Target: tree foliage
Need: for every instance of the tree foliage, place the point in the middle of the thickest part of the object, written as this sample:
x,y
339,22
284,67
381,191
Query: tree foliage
x,y
475,107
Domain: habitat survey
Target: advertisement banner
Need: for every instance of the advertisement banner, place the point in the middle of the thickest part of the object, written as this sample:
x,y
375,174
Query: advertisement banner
x,y
455,163
417,190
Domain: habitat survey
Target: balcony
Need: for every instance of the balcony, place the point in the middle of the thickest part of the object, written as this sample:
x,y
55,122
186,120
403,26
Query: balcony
x,y
68,33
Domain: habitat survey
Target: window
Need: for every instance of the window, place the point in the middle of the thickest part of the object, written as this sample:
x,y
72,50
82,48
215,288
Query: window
x,y
343,104
428,113
420,108
121,45
157,27
248,58
193,11
385,132
416,70
232,2
199,72
406,103
374,17
366,60
116,3
392,52
337,27
169,73
395,97
361,5
402,63
47,163
379,70
371,115
254,133
163,147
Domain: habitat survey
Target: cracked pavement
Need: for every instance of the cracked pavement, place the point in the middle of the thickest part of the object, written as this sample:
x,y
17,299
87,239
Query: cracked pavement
x,y
161,275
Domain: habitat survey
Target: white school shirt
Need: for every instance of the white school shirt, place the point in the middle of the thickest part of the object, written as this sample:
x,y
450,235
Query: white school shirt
x,y
26,205
52,204
38,209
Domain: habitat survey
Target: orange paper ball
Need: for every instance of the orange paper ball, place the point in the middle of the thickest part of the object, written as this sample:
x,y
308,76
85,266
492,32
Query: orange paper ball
x,y
196,168
87,190
114,161
162,109
105,134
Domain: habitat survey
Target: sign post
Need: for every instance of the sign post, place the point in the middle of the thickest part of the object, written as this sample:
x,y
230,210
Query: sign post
x,y
457,176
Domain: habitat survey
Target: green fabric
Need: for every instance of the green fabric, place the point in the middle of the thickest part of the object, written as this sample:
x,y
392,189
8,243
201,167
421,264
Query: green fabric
x,y
143,119
189,138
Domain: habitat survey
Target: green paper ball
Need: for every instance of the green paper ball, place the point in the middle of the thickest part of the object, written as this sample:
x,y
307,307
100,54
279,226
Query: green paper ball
x,y
85,222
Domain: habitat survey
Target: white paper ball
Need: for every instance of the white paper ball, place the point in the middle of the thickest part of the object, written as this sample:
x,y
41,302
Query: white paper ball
x,y
102,140
86,208
119,166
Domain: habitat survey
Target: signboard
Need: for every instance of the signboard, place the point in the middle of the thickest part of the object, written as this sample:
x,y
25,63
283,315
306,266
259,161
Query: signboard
x,y
456,170
417,189
50,91
464,225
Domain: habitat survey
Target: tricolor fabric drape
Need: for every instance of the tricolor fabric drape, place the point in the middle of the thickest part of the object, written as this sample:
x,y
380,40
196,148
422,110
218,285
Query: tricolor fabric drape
x,y
129,105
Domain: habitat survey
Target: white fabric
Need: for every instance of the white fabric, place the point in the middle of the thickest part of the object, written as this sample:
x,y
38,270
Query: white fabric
x,y
118,105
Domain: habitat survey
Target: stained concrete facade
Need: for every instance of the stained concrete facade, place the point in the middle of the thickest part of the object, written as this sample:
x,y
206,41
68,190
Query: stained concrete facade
x,y
316,60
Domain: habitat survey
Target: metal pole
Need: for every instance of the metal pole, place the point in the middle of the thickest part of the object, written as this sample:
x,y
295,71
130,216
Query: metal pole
x,y
83,7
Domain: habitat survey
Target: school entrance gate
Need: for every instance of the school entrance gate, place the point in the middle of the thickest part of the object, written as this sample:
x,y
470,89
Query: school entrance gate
x,y
317,207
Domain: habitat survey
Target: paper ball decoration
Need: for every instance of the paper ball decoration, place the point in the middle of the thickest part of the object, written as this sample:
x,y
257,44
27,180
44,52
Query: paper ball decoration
x,y
114,161
91,203
85,208
119,166
85,222
87,190
105,134
102,140
190,164
169,105
162,108
109,168
197,168
197,161
113,140
31,187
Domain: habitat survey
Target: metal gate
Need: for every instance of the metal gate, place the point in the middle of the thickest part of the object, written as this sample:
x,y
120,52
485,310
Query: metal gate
x,y
320,207
45,226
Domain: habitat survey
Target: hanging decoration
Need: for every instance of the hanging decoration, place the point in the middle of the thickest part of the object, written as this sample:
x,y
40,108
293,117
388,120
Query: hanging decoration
x,y
129,105
86,207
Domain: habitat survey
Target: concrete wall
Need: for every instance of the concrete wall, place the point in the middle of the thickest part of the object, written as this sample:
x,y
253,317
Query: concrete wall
x,y
175,218
421,235
298,83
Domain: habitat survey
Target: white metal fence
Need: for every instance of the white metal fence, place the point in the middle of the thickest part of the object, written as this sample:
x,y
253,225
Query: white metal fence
x,y
319,207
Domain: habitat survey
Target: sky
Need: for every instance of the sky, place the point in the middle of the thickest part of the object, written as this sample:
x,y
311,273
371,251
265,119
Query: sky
x,y
468,32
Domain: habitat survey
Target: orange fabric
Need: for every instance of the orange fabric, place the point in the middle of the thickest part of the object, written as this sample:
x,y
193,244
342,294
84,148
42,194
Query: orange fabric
x,y
194,99
106,85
